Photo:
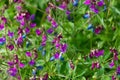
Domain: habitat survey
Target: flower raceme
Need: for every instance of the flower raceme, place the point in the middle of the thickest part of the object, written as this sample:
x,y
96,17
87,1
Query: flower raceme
x,y
93,4
96,53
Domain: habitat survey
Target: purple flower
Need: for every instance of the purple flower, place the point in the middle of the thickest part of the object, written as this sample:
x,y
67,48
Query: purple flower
x,y
18,8
57,44
99,53
27,15
44,38
68,12
56,55
113,77
111,64
94,9
20,31
20,40
115,56
63,6
48,10
98,29
95,65
27,30
10,63
4,20
50,30
16,60
38,32
32,63
87,2
10,34
2,40
32,17
32,25
96,53
45,77
12,71
118,70
100,3
49,18
10,47
21,65
54,24
28,54
22,23
1,27
63,48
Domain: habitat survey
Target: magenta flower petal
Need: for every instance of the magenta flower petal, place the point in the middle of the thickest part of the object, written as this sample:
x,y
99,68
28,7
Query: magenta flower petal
x,y
28,54
21,65
1,27
10,34
56,55
63,48
32,25
111,64
38,32
100,3
32,63
87,2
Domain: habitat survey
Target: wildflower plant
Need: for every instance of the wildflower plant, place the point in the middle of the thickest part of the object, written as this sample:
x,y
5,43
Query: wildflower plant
x,y
59,40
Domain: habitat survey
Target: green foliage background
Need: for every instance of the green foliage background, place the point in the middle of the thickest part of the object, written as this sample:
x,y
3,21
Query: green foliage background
x,y
80,40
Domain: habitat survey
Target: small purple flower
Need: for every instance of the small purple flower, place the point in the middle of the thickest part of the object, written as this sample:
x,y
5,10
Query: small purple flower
x,y
99,53
27,30
16,60
115,56
4,20
32,25
13,71
20,40
10,34
28,54
10,63
10,47
95,65
98,29
1,27
87,2
63,48
57,44
2,40
38,32
113,77
21,65
32,17
49,18
48,10
54,24
44,38
27,15
68,12
22,23
56,55
50,30
20,31
94,9
32,63
100,3
111,64
63,6
19,8
118,70
45,77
